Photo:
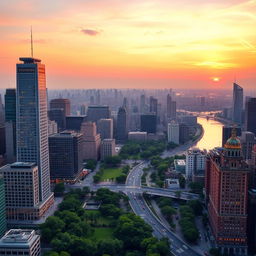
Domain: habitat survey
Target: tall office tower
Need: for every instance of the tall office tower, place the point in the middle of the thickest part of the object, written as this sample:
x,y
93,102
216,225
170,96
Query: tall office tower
x,y
95,113
32,123
227,132
153,105
250,115
227,193
238,94
173,132
58,115
2,119
22,203
20,242
91,141
195,164
142,104
247,142
171,108
251,221
148,123
105,128
2,207
66,155
61,104
121,125
10,125
107,148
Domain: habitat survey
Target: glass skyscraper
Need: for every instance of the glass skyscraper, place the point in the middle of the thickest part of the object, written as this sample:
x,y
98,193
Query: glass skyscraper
x,y
32,120
238,94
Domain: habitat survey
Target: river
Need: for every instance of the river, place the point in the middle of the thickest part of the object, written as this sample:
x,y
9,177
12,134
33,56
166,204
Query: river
x,y
212,134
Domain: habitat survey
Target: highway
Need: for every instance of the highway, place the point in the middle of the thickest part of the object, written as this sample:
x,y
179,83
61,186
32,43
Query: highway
x,y
139,206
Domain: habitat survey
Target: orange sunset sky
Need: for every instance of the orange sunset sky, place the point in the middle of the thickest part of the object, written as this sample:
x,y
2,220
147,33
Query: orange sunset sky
x,y
132,44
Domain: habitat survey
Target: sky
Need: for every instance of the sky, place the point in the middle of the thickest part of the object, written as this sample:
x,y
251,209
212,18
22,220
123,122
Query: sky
x,y
132,44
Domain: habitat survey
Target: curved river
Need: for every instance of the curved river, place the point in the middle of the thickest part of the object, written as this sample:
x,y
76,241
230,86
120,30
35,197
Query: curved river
x,y
212,134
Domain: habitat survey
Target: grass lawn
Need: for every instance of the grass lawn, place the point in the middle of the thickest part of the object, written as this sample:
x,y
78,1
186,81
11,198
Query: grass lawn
x,y
102,233
110,173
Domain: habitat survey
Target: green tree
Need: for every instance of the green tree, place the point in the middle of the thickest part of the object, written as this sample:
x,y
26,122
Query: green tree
x,y
52,226
112,161
70,204
83,247
196,206
51,253
112,247
110,210
62,242
96,178
121,178
91,164
59,189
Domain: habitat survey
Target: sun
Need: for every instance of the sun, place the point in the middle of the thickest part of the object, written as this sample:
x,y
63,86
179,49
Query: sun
x,y
215,79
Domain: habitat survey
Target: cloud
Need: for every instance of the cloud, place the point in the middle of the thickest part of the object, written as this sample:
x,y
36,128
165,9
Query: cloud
x,y
90,32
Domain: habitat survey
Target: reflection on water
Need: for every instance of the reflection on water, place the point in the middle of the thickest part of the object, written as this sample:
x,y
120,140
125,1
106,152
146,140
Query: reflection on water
x,y
212,134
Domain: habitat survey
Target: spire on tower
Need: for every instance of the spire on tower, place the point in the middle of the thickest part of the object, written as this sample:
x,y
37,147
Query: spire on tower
x,y
31,41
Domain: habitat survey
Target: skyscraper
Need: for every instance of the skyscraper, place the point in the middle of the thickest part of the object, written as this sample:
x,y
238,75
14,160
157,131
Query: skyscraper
x,y
250,115
227,195
32,122
1,112
238,94
121,125
61,104
171,108
142,104
10,124
153,105
2,207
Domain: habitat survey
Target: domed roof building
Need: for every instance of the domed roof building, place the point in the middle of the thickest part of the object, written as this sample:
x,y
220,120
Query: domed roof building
x,y
233,142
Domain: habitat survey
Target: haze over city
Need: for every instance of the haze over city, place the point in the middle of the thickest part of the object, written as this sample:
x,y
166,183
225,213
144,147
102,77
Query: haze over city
x,y
132,44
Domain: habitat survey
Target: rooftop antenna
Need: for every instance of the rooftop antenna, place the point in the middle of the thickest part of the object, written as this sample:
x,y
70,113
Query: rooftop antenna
x,y
31,42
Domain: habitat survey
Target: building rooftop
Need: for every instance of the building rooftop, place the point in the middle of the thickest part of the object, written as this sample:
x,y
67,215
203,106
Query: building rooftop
x,y
29,60
22,165
180,161
18,238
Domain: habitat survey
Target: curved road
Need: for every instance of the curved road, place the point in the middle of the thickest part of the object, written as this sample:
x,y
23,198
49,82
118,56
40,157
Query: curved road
x,y
139,206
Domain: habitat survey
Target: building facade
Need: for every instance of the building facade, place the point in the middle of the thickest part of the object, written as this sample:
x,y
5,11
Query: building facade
x,y
173,132
91,141
227,195
238,95
250,115
148,123
61,104
121,125
32,122
107,148
66,155
105,128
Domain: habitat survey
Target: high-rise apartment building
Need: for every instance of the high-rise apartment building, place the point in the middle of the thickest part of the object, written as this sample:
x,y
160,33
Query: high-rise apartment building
x,y
173,132
105,128
238,94
91,141
121,125
61,104
66,155
250,115
107,148
195,163
58,115
32,122
2,207
227,195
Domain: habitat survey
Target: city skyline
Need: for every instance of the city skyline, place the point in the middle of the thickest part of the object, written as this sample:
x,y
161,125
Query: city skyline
x,y
139,44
